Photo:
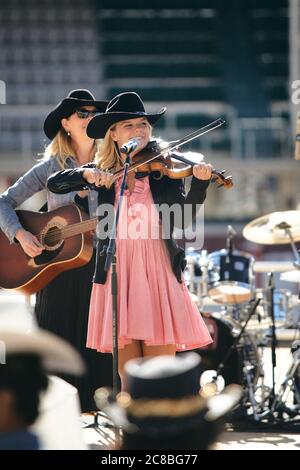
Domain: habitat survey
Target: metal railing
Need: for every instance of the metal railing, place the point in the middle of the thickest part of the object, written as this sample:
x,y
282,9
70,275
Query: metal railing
x,y
22,135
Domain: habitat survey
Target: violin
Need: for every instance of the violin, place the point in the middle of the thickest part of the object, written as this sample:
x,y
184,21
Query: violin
x,y
176,166
163,159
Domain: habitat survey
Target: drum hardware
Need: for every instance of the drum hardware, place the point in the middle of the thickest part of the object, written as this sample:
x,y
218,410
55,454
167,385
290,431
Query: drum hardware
x,y
224,330
251,368
234,312
229,270
283,302
288,230
290,276
270,306
272,229
229,240
193,272
271,289
196,275
248,373
279,408
237,339
204,264
288,385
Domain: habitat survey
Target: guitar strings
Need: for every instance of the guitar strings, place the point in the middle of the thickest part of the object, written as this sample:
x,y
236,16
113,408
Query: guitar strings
x,y
57,234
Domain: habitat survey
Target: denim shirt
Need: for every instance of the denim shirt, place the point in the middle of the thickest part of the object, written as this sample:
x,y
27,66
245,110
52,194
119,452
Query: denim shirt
x,y
32,182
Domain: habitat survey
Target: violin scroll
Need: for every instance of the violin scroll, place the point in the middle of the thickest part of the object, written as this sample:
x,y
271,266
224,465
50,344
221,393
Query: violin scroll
x,y
222,180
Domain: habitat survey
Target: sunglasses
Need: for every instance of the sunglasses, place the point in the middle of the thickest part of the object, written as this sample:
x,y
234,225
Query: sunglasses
x,y
84,113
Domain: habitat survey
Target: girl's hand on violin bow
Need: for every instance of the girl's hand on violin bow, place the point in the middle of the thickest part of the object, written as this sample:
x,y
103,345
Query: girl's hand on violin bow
x,y
202,171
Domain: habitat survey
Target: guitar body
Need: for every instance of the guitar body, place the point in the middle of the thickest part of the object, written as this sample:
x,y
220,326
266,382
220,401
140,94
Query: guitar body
x,y
28,275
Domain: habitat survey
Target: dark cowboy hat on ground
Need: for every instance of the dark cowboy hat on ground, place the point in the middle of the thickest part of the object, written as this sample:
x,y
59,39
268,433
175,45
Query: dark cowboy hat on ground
x,y
124,106
163,397
74,100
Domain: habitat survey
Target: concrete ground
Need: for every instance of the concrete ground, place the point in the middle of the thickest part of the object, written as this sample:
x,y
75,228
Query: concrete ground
x,y
104,438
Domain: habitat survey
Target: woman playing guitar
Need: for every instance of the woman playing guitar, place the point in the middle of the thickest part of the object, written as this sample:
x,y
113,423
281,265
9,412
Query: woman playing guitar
x,y
62,306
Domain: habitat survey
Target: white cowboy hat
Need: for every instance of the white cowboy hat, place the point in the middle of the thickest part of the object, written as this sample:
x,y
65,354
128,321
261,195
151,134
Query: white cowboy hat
x,y
19,333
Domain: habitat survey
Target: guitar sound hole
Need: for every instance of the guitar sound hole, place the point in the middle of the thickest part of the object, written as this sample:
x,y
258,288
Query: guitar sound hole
x,y
52,237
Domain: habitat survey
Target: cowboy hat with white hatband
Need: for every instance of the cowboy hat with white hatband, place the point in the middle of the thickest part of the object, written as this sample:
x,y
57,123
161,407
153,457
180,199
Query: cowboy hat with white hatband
x,y
74,101
164,398
122,107
20,334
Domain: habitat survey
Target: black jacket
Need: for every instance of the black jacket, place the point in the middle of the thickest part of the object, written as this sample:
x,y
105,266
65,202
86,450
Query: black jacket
x,y
164,191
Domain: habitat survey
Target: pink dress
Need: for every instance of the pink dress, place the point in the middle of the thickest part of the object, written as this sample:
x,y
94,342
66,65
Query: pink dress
x,y
152,305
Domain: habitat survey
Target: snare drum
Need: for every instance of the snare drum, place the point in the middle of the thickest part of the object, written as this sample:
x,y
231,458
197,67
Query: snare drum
x,y
231,279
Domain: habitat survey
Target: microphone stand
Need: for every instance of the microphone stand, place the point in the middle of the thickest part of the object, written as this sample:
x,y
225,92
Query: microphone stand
x,y
229,243
271,289
111,260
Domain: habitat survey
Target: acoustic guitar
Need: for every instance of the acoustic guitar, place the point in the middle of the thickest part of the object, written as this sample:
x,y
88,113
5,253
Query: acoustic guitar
x,y
66,236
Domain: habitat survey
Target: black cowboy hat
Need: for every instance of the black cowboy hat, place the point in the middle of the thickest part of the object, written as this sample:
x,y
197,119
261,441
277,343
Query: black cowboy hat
x,y
128,105
163,396
74,100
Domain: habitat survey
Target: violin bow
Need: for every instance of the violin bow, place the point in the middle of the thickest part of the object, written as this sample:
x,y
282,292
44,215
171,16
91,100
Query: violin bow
x,y
177,143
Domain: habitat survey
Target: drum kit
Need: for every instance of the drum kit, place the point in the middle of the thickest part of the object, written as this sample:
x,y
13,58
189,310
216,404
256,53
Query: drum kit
x,y
247,317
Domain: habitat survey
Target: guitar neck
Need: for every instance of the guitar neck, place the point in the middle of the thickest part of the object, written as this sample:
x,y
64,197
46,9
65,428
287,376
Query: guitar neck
x,y
78,228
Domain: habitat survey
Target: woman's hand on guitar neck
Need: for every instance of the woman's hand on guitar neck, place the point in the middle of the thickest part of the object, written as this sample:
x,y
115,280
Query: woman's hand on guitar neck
x,y
29,243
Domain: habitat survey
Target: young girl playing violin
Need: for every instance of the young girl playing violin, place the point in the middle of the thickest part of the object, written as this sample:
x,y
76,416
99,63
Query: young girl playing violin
x,y
156,313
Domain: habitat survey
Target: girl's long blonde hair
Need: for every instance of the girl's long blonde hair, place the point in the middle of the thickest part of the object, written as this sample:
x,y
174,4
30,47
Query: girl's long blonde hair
x,y
61,148
107,156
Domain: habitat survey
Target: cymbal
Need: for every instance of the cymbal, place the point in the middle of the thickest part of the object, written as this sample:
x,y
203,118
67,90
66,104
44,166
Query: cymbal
x,y
290,276
269,229
273,266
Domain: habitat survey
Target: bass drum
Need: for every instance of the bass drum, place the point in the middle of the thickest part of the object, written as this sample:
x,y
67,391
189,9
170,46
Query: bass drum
x,y
230,277
223,331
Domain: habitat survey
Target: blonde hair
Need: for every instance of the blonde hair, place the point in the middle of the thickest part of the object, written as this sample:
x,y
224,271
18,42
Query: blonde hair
x,y
107,156
61,148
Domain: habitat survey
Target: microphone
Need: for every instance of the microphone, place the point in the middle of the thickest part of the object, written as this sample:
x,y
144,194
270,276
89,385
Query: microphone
x,y
297,143
129,146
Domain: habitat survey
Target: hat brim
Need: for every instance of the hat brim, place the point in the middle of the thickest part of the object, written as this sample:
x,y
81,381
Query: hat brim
x,y
99,124
52,122
57,355
214,409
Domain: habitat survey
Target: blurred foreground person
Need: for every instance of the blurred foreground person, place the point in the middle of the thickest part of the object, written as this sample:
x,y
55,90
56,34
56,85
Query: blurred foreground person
x,y
62,306
27,354
164,408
